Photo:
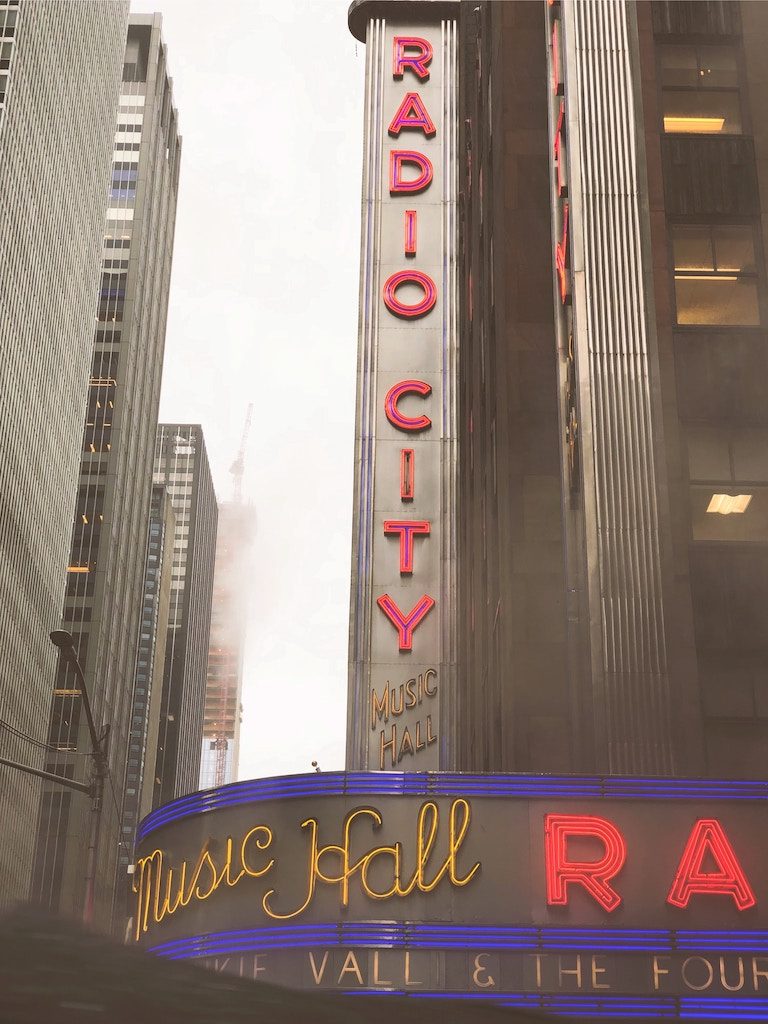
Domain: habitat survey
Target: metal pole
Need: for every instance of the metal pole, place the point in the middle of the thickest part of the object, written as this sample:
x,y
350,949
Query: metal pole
x,y
81,787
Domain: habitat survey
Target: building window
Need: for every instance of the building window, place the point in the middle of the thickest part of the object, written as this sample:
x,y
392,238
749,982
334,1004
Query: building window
x,y
700,92
715,275
729,513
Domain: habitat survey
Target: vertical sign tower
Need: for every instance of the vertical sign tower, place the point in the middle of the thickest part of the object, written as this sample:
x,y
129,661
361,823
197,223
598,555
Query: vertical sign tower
x,y
403,615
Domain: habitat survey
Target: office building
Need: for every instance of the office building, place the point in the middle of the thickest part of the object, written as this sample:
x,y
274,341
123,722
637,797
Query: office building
x,y
105,576
148,678
224,686
181,466
60,70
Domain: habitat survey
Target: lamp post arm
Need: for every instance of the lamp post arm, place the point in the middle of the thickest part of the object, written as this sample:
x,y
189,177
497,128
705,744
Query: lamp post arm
x,y
98,753
81,787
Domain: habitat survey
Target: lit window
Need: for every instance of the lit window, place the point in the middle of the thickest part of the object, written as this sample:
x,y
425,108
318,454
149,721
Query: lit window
x,y
715,275
728,504
700,90
728,513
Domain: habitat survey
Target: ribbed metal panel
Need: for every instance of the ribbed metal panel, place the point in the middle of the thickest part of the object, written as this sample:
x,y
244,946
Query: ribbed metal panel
x,y
449,452
611,332
362,525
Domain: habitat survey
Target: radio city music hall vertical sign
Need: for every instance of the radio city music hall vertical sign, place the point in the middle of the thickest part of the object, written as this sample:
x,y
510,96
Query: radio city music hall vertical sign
x,y
402,632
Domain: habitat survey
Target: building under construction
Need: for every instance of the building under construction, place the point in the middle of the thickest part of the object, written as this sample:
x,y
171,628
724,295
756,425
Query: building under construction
x,y
223,708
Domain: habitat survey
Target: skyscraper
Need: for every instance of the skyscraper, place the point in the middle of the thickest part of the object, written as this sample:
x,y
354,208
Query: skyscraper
x,y
103,600
181,465
59,83
150,669
224,686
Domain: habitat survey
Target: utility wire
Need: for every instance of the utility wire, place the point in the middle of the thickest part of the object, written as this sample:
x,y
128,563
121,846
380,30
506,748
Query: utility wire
x,y
30,739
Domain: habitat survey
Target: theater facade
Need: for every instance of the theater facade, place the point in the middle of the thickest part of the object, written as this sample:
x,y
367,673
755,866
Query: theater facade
x,y
557,724
596,896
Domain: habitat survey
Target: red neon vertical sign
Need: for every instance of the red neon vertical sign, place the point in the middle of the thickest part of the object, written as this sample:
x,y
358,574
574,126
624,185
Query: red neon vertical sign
x,y
708,838
594,875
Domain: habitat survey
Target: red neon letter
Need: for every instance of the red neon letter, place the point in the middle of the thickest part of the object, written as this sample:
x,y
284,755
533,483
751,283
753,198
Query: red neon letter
x,y
407,460
593,875
562,180
406,528
410,233
405,624
415,309
412,114
708,837
399,157
557,81
417,62
395,417
561,258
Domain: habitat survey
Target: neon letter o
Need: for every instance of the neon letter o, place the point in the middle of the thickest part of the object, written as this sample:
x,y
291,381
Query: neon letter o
x,y
417,309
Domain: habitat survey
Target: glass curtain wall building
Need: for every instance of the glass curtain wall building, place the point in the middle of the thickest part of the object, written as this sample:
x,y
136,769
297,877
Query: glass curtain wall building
x,y
60,70
104,578
148,684
181,466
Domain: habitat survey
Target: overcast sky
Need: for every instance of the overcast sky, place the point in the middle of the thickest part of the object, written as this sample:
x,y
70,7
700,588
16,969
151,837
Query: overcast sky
x,y
263,309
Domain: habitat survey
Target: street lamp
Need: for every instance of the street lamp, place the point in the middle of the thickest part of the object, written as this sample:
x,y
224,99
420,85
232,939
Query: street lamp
x,y
95,789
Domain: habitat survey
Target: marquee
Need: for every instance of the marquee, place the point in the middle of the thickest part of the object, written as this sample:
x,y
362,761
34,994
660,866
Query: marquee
x,y
607,896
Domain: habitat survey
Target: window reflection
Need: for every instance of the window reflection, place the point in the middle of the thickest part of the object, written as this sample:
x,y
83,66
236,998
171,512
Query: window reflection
x,y
700,90
715,275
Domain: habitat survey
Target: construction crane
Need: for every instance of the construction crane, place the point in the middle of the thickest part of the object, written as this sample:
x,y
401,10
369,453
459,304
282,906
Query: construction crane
x,y
238,466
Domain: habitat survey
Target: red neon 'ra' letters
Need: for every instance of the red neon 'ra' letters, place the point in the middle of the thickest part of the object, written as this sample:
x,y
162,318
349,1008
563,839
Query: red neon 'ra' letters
x,y
407,528
409,310
417,62
401,158
708,839
406,623
400,420
412,114
592,875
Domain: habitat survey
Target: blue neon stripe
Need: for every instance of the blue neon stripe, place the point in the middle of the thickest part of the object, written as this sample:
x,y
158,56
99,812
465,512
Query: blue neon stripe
x,y
450,784
580,1005
472,937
